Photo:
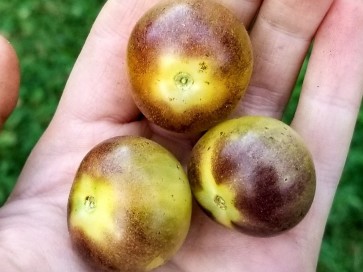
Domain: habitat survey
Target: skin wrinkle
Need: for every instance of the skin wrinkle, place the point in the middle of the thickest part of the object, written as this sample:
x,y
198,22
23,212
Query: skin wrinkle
x,y
286,9
265,105
245,10
276,26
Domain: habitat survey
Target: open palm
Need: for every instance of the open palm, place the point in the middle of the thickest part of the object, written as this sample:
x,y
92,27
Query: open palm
x,y
96,105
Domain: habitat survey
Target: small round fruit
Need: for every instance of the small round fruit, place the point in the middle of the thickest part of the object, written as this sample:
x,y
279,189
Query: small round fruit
x,y
189,62
253,174
129,208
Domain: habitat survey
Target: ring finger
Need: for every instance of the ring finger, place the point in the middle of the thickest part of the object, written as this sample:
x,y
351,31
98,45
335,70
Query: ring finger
x,y
281,36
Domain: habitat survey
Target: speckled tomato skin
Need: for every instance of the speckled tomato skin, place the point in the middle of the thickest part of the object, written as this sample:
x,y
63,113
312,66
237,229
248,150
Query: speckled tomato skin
x,y
253,174
129,208
199,39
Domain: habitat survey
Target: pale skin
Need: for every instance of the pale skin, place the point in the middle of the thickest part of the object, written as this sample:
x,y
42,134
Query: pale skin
x,y
96,105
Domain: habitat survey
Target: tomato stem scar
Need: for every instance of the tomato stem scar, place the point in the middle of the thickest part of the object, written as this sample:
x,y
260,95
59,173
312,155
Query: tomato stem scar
x,y
220,202
90,203
183,81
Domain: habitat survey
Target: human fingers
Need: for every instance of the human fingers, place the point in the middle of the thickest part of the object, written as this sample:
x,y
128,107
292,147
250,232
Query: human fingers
x,y
245,10
281,36
9,79
329,104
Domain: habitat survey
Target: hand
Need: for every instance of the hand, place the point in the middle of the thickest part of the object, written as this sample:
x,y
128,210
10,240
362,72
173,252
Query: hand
x,y
96,105
9,79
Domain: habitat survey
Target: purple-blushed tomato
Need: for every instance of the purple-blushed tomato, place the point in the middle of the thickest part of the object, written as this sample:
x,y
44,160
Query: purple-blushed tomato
x,y
253,174
189,62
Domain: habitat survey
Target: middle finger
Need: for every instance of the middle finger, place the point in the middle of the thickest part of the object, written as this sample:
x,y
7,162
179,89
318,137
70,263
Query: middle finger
x,y
280,37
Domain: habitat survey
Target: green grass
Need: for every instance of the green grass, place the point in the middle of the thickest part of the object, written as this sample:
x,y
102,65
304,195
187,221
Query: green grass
x,y
48,36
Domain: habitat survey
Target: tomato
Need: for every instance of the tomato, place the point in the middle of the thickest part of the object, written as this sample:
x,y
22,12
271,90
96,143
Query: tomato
x,y
189,62
253,174
130,205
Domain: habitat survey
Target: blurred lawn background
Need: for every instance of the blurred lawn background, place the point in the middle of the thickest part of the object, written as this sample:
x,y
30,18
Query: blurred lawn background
x,y
48,36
